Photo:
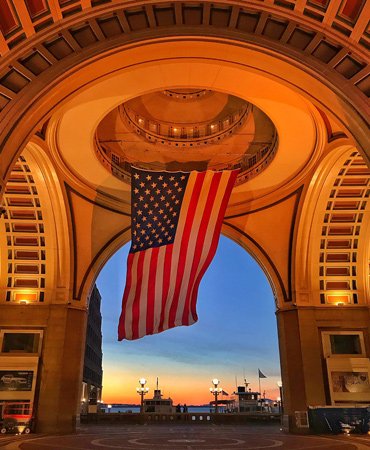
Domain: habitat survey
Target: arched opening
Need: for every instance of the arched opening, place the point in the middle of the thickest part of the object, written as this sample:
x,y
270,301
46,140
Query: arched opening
x,y
235,335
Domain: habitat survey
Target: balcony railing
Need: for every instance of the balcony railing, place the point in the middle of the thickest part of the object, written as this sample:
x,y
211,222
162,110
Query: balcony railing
x,y
185,135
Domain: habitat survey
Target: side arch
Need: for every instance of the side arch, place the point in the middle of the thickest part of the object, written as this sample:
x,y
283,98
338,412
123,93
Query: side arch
x,y
332,257
34,245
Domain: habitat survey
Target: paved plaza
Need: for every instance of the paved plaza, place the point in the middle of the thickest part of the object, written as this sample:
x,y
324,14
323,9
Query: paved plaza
x,y
183,437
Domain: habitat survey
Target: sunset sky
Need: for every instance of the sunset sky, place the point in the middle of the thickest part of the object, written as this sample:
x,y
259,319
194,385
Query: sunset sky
x,y
235,335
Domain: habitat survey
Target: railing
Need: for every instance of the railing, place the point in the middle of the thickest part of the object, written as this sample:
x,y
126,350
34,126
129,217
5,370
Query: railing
x,y
185,135
193,418
249,165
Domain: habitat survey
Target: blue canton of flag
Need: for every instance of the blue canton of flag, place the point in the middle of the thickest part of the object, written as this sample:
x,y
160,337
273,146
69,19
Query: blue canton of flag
x,y
156,202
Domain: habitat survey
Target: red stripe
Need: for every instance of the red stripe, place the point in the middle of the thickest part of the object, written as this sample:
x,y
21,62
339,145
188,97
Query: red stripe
x,y
184,245
121,324
200,241
151,290
166,282
215,239
136,303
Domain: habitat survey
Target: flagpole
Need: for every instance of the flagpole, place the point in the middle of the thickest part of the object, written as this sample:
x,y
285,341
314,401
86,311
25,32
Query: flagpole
x,y
259,388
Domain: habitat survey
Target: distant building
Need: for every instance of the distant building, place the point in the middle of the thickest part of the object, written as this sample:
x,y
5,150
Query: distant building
x,y
93,370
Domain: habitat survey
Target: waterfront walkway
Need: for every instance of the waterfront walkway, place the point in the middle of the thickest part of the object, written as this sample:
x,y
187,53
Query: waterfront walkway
x,y
183,437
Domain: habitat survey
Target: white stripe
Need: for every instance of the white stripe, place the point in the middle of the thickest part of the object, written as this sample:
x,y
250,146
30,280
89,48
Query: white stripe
x,y
211,227
203,197
144,292
177,243
131,296
159,288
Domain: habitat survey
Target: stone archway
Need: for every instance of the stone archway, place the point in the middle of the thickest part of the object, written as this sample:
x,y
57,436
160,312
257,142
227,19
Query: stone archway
x,y
81,77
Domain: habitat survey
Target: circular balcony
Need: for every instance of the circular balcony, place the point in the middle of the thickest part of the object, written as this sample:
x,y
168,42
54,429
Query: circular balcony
x,y
250,165
184,134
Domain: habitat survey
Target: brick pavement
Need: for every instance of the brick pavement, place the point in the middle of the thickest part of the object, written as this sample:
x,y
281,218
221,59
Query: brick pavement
x,y
184,437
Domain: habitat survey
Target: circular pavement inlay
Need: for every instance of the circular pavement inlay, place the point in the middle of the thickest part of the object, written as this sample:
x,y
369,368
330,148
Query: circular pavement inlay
x,y
186,440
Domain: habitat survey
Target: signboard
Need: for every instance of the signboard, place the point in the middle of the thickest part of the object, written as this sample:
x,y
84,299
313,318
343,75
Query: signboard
x,y
350,381
16,380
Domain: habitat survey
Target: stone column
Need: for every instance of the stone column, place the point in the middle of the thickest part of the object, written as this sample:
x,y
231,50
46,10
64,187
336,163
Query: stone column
x,y
301,363
60,381
303,366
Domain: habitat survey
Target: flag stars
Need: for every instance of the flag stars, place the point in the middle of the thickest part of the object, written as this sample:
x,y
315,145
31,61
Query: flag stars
x,y
156,206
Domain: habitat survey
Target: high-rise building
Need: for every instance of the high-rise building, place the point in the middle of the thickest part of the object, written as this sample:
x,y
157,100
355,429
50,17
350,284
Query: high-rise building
x,y
93,370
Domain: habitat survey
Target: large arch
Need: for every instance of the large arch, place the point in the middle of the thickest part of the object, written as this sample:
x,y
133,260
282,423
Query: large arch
x,y
310,77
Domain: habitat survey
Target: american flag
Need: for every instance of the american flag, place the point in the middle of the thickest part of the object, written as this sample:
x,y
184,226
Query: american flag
x,y
176,224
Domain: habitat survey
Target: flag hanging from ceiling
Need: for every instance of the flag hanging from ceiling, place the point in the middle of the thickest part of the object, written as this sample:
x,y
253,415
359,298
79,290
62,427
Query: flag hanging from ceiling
x,y
175,228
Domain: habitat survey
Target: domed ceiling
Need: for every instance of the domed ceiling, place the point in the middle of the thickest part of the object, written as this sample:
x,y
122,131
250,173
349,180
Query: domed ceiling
x,y
186,129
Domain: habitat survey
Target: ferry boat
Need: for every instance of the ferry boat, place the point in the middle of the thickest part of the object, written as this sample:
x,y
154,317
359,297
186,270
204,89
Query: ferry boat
x,y
157,404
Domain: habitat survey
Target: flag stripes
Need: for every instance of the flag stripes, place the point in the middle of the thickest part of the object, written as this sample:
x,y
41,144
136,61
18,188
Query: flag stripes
x,y
162,282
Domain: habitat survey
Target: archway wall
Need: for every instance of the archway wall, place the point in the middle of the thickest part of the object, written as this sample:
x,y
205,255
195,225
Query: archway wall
x,y
56,74
49,40
332,265
35,264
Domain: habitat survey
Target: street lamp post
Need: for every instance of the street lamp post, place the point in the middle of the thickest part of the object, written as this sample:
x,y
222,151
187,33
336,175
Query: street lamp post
x,y
142,390
281,409
215,390
278,401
